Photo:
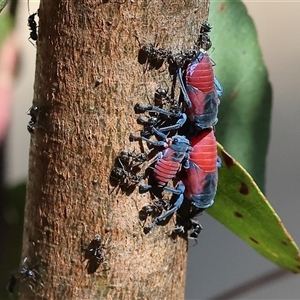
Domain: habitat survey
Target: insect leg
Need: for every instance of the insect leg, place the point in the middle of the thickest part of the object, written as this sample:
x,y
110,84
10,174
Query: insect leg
x,y
179,191
139,138
183,89
219,88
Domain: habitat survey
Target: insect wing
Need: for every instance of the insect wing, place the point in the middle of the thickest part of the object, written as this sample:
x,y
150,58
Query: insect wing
x,y
201,187
194,179
204,109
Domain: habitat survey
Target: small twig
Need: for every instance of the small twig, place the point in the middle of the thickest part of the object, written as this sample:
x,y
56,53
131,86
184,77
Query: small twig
x,y
252,284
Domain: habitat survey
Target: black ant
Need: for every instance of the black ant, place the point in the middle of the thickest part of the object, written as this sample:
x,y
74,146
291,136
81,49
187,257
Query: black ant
x,y
153,57
23,273
162,115
136,159
33,113
186,226
31,23
204,41
192,230
153,210
124,173
94,254
195,230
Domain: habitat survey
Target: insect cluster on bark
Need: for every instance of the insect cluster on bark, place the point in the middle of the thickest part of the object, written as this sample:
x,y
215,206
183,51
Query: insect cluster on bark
x,y
186,162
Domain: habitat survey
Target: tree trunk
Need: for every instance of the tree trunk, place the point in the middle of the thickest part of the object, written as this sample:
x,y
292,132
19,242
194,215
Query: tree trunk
x,y
87,80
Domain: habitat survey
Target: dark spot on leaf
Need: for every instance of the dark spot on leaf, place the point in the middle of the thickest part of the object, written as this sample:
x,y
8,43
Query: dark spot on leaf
x,y
244,189
298,267
238,214
297,258
254,240
228,160
222,7
284,243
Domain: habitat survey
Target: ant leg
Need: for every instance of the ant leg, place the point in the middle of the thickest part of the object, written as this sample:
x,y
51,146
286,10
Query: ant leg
x,y
182,117
183,89
179,191
141,138
138,108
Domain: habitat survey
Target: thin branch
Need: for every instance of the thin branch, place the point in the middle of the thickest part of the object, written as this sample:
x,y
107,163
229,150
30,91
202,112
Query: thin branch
x,y
253,284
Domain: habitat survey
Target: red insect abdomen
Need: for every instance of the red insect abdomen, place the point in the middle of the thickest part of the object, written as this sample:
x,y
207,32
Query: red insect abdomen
x,y
200,74
165,170
205,151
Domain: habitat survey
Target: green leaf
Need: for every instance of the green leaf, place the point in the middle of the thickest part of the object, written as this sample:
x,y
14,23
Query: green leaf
x,y
6,25
3,4
244,117
243,208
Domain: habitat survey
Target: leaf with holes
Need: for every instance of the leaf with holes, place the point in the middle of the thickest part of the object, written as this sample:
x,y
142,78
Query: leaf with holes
x,y
241,207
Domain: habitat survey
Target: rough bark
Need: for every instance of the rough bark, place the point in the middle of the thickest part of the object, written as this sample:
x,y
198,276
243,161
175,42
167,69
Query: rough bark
x,y
87,80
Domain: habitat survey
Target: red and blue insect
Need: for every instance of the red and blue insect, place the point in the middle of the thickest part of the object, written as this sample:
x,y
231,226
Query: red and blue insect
x,y
169,161
200,91
201,178
166,167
